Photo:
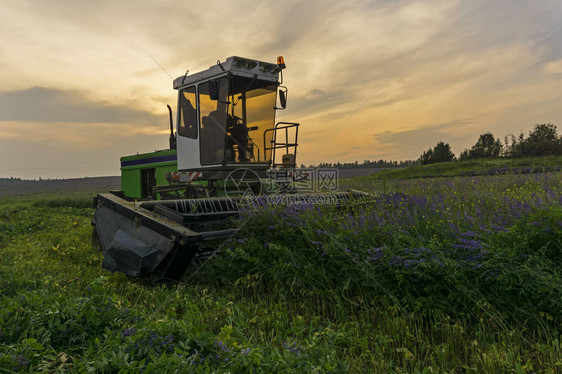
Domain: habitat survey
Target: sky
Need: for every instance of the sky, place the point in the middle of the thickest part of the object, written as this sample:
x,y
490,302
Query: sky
x,y
83,83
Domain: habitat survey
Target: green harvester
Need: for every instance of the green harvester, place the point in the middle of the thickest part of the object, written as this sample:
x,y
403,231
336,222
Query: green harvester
x,y
177,205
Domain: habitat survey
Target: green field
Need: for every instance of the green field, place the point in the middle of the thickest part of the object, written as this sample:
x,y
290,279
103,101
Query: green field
x,y
460,168
434,275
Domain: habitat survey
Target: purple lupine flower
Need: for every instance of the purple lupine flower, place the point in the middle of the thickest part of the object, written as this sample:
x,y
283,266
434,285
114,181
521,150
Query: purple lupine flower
x,y
375,253
469,234
294,348
499,228
20,360
468,244
130,331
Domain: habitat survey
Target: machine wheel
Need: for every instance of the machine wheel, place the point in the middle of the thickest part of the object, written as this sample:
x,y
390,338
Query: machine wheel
x,y
96,241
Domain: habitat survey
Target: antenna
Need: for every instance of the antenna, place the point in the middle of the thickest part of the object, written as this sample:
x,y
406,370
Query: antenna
x,y
157,63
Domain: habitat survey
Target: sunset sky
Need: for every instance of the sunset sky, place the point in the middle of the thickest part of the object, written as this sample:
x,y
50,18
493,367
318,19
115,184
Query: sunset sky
x,y
80,86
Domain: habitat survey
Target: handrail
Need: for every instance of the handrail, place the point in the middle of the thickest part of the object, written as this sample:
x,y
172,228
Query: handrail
x,y
275,145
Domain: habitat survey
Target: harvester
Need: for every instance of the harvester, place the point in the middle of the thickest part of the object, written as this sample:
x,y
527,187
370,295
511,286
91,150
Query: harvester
x,y
178,204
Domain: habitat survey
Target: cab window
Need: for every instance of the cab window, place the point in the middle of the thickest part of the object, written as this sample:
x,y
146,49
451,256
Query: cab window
x,y
188,113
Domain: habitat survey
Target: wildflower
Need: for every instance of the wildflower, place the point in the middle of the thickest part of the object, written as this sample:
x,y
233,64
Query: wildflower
x,y
20,362
375,254
498,228
468,244
294,348
128,332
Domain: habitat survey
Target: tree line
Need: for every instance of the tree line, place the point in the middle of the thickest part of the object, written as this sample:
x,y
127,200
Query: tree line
x,y
364,165
543,140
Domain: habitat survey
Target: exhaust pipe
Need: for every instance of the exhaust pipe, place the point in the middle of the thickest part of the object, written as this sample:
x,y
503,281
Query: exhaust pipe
x,y
173,142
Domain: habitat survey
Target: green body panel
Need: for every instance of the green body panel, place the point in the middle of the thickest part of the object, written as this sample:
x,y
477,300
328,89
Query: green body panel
x,y
131,175
131,182
161,173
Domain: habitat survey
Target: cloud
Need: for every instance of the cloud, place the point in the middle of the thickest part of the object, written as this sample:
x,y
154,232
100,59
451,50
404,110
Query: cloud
x,y
496,64
42,104
424,136
553,67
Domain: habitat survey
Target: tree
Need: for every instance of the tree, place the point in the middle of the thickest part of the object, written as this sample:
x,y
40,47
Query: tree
x,y
486,147
543,141
513,145
464,155
440,153
425,157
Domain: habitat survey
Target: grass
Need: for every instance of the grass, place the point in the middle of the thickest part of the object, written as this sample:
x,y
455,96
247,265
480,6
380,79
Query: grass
x,y
456,274
73,199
